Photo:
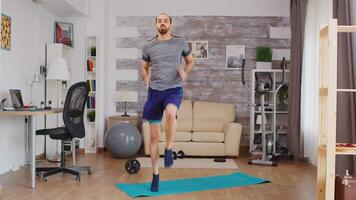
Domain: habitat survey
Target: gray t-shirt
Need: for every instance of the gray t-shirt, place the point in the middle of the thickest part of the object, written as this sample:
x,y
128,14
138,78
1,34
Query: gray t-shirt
x,y
165,58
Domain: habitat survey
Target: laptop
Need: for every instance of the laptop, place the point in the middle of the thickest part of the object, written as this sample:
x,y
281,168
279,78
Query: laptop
x,y
16,99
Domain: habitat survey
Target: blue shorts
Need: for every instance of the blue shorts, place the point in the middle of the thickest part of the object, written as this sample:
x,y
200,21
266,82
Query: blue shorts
x,y
157,102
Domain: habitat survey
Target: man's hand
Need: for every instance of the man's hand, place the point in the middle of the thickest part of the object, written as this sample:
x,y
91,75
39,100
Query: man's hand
x,y
147,79
185,70
146,73
183,75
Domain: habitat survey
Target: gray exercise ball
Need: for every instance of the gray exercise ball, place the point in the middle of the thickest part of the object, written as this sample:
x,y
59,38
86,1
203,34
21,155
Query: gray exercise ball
x,y
123,140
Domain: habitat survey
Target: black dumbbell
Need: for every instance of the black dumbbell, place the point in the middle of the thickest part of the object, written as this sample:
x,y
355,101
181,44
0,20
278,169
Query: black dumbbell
x,y
174,155
181,154
132,166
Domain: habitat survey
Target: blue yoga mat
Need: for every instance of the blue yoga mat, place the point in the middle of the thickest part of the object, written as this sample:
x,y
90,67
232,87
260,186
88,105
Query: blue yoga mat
x,y
190,185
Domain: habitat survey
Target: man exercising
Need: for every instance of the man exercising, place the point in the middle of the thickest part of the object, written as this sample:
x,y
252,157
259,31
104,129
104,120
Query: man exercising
x,y
164,74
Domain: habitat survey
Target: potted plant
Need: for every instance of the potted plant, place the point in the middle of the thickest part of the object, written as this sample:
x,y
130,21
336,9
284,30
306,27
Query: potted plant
x,y
93,51
91,116
282,96
263,58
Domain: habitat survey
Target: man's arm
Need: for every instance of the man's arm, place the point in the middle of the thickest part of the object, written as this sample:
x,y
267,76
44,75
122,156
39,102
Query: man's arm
x,y
145,72
189,60
184,72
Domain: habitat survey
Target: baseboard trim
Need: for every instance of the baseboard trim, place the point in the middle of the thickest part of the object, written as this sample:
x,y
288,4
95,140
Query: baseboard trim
x,y
41,156
101,149
81,151
244,149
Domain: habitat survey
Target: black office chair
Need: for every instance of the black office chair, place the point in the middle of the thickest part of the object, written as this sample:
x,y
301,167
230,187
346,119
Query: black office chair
x,y
73,112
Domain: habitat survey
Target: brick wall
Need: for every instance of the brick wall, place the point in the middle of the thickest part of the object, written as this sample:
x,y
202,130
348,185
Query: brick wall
x,y
209,80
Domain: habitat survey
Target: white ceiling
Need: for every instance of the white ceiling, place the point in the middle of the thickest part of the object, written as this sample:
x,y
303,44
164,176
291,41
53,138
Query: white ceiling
x,y
61,8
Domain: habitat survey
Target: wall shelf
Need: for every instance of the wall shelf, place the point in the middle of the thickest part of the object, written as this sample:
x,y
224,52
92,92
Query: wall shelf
x,y
91,77
328,149
271,110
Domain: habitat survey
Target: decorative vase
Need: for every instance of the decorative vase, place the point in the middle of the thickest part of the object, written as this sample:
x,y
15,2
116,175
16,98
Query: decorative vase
x,y
263,65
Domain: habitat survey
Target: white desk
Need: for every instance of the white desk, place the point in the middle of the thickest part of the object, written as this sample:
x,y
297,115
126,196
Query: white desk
x,y
32,130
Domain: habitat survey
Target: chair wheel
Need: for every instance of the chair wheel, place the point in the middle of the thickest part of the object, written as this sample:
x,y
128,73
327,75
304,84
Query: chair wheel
x,y
132,166
89,172
77,178
45,179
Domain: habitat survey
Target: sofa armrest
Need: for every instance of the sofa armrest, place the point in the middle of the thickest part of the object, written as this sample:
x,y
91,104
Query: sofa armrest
x,y
232,133
146,137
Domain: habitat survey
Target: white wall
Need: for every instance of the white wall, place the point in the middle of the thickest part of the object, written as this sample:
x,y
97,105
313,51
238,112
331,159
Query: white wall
x,y
318,13
31,25
97,27
81,5
31,28
78,62
75,57
77,53
201,7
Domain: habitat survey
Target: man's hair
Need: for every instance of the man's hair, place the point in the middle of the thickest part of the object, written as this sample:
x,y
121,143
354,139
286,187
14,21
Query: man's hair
x,y
170,18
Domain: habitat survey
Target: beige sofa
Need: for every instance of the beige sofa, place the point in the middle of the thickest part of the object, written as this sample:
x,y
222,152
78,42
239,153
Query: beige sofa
x,y
204,129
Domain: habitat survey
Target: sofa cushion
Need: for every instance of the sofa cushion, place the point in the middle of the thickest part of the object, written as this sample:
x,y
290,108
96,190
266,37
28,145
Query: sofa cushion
x,y
185,117
208,137
177,137
211,117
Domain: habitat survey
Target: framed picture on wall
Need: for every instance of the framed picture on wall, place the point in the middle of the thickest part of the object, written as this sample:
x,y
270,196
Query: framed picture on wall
x,y
5,32
234,56
199,49
64,33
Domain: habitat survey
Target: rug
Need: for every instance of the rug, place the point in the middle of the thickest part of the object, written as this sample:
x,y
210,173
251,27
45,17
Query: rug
x,y
193,163
187,185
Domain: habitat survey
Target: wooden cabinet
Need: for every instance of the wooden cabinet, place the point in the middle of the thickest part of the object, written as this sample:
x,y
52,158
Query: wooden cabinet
x,y
328,149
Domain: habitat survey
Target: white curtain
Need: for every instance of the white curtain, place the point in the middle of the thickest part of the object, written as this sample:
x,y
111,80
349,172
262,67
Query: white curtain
x,y
318,13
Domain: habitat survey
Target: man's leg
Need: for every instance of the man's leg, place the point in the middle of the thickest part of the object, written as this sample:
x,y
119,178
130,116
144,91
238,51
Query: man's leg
x,y
170,129
171,124
153,112
154,148
154,151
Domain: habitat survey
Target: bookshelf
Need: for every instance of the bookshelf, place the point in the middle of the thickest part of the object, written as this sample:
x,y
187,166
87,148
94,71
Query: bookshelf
x,y
275,115
91,78
328,148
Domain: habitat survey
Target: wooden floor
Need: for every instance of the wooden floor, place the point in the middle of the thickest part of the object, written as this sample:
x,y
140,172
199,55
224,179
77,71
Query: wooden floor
x,y
290,180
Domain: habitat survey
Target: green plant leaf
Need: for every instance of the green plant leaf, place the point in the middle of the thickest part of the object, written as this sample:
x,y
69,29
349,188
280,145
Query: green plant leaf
x,y
263,54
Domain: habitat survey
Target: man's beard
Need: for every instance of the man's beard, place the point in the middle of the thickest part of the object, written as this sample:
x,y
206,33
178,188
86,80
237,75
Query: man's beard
x,y
163,30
